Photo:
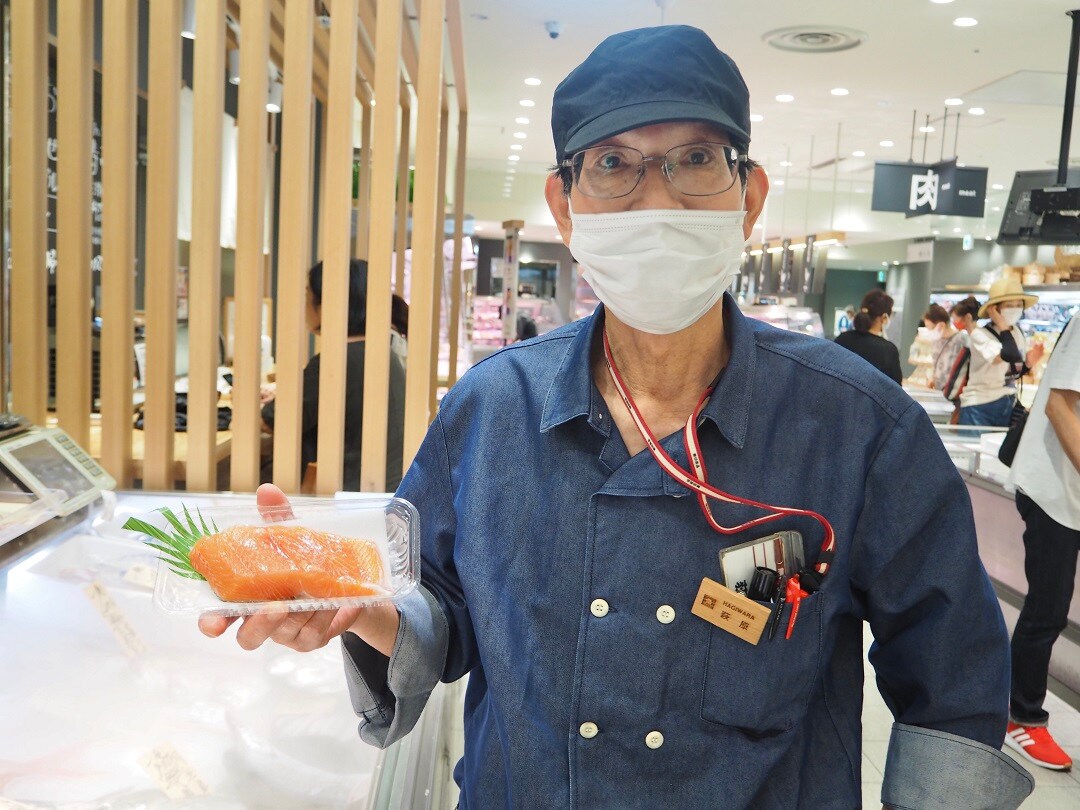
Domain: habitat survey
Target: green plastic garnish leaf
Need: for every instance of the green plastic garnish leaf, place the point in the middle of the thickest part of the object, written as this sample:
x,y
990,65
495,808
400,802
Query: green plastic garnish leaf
x,y
175,547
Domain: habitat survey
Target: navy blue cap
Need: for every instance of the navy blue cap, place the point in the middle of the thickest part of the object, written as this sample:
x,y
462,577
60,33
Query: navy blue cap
x,y
649,76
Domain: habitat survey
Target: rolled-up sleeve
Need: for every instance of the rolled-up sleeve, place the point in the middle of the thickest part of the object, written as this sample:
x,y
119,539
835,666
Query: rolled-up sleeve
x,y
929,769
388,694
941,650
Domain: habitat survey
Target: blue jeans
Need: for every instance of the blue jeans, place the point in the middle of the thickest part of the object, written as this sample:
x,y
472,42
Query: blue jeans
x,y
1050,551
992,414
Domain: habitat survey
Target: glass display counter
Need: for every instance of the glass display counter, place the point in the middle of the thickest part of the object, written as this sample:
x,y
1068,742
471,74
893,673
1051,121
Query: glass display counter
x,y
118,704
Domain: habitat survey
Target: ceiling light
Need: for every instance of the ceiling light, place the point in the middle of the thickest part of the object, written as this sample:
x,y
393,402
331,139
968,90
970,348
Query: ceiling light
x,y
517,147
785,98
941,2
510,170
521,120
478,228
953,102
956,230
936,233
998,187
839,91
926,129
187,27
976,111
532,81
858,153
785,163
989,239
520,135
525,102
757,119
860,191
965,22
778,183
996,208
273,97
514,157
887,144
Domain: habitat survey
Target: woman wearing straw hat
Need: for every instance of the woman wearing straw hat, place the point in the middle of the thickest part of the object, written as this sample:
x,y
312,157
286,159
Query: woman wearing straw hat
x,y
999,355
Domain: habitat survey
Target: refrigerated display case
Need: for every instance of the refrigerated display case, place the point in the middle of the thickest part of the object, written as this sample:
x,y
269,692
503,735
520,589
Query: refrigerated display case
x,y
787,316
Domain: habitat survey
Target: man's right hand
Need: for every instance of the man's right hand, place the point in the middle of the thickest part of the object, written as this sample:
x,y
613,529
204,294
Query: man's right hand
x,y
308,630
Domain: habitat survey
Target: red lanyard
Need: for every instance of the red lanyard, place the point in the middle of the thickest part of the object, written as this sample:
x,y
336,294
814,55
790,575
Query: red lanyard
x,y
697,481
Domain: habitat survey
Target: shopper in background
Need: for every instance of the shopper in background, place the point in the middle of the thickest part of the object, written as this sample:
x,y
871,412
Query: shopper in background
x,y
847,320
1046,473
561,558
354,387
867,339
936,320
999,353
399,327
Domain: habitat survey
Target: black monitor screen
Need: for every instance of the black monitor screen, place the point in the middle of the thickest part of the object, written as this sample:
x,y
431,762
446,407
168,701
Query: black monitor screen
x,y
1020,226
52,468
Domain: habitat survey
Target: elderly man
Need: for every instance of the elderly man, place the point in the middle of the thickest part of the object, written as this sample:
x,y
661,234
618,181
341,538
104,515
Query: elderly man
x,y
577,492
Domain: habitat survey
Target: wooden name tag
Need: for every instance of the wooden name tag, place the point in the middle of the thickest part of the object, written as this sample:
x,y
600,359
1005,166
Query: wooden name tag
x,y
730,611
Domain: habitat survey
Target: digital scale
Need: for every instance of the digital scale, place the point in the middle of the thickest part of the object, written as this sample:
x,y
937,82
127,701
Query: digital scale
x,y
44,474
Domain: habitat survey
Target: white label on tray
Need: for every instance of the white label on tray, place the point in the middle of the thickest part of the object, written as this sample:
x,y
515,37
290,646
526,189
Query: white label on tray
x,y
114,617
142,575
173,774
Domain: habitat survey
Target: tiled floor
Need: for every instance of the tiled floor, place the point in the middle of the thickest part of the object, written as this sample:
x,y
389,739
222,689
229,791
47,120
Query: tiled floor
x,y
1054,790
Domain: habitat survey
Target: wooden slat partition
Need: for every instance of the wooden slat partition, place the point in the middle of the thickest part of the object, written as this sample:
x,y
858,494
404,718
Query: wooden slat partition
x,y
74,121
438,267
426,215
294,243
120,23
363,186
401,226
161,246
29,77
250,260
459,223
204,272
335,243
381,246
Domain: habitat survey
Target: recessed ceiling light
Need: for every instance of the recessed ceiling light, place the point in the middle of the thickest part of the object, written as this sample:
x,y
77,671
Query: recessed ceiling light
x,y
757,119
941,2
532,81
989,239
936,233
858,153
953,102
478,228
525,102
520,135
956,230
785,98
860,191
510,170
927,129
785,163
517,147
839,91
778,182
976,111
996,208
887,144
514,157
521,120
965,22
998,187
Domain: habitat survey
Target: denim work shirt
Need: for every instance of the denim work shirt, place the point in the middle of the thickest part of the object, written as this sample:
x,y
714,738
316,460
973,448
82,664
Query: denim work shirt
x,y
559,573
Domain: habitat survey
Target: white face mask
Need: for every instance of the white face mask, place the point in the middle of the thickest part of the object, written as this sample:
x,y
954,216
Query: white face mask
x,y
1011,315
659,271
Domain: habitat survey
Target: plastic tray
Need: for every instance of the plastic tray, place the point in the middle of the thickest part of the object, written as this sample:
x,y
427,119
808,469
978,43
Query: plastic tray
x,y
390,522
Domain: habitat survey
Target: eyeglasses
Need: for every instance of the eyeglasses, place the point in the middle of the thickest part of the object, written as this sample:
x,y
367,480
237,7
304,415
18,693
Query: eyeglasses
x,y
695,169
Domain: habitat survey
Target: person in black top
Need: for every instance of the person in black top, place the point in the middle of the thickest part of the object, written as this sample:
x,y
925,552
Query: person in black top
x,y
866,340
354,387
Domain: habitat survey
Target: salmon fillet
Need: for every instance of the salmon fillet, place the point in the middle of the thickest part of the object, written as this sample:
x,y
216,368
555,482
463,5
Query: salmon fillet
x,y
271,563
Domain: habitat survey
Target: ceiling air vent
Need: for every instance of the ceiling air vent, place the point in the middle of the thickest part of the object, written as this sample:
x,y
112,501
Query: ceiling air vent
x,y
815,38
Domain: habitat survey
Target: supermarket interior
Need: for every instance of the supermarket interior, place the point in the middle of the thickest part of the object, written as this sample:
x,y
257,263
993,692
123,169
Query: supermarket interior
x,y
214,210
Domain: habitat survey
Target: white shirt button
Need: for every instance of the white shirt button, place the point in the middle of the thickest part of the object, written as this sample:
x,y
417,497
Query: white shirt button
x,y
665,614
588,730
599,608
654,739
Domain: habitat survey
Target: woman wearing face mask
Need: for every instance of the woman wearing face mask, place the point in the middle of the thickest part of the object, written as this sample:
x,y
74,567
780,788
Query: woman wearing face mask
x,y
999,354
867,339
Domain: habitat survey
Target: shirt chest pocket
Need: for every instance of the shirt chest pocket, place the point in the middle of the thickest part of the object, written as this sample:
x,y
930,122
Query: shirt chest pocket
x,y
763,689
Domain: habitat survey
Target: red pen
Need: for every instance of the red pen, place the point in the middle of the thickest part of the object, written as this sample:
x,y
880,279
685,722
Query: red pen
x,y
794,594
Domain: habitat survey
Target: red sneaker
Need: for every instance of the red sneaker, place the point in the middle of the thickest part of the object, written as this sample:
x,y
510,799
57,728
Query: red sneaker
x,y
1035,744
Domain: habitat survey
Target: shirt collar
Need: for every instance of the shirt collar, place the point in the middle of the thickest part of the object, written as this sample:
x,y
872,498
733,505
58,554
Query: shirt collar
x,y
571,394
